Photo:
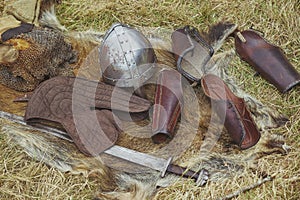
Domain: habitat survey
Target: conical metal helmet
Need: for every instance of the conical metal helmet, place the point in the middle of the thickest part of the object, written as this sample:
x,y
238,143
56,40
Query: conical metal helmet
x,y
127,58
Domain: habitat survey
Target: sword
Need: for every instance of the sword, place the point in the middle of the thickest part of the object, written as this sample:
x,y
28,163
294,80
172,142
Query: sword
x,y
143,159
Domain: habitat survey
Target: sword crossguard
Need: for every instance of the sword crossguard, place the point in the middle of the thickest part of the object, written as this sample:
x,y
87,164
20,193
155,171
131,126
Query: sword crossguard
x,y
165,169
200,177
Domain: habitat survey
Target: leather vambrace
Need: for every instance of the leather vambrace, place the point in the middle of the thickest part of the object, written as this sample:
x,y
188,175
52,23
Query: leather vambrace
x,y
232,110
168,105
267,59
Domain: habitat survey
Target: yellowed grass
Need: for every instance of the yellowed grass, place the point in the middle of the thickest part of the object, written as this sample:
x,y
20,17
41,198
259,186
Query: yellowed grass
x,y
23,178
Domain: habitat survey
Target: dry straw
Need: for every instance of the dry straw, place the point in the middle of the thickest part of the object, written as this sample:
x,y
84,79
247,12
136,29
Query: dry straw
x,y
23,178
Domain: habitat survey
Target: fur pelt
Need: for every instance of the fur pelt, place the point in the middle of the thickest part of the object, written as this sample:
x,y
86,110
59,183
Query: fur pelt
x,y
206,146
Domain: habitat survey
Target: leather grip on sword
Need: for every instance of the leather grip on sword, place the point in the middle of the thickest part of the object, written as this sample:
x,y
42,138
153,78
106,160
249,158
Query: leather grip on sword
x,y
181,171
200,177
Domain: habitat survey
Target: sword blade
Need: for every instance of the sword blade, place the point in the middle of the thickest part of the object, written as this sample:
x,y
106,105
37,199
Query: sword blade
x,y
140,158
39,127
143,159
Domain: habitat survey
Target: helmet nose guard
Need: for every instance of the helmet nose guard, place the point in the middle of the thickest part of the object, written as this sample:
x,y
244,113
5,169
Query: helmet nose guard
x,y
127,58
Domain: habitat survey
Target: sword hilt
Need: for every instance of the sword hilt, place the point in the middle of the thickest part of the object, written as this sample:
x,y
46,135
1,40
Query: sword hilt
x,y
201,177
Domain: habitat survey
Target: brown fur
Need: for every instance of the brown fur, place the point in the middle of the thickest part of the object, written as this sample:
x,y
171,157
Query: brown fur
x,y
47,16
223,160
133,182
47,5
43,53
218,33
85,44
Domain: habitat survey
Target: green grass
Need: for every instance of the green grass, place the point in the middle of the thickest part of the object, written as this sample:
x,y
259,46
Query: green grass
x,y
278,20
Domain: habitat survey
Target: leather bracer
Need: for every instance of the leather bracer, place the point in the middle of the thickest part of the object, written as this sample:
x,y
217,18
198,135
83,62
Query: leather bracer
x,y
267,59
233,110
168,104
